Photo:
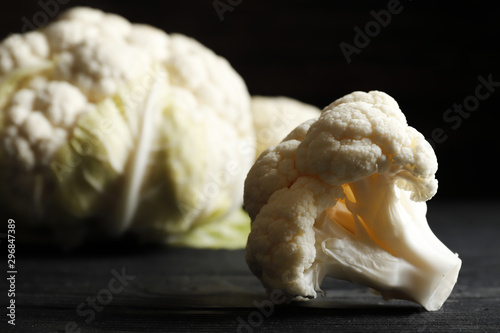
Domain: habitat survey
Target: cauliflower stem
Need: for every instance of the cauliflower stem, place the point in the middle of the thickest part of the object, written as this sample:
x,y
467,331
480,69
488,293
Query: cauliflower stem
x,y
391,263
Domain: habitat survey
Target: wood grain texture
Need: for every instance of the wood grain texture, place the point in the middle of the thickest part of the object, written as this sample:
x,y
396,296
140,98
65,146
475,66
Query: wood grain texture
x,y
187,290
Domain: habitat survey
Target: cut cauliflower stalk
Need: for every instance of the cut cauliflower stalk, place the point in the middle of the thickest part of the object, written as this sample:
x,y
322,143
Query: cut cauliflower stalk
x,y
108,126
344,196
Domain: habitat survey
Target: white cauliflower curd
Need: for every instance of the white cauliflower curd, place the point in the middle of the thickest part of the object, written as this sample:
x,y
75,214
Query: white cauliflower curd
x,y
275,117
108,127
344,196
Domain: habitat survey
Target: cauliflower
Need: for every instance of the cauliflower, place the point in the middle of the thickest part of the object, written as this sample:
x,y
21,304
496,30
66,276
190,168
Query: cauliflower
x,y
275,117
108,127
344,196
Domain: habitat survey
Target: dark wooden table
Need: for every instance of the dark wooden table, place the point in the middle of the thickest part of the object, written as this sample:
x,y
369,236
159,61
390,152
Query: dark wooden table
x,y
125,289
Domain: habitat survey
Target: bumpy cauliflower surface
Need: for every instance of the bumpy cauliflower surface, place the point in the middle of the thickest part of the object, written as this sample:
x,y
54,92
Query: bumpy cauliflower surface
x,y
275,117
108,126
344,196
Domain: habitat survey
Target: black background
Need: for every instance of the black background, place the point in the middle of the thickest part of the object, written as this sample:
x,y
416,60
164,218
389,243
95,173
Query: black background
x,y
428,57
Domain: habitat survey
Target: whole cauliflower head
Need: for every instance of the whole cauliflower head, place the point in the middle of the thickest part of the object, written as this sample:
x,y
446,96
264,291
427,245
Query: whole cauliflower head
x,y
344,196
108,126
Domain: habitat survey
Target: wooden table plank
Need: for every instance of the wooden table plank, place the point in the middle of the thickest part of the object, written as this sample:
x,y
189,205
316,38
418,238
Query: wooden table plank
x,y
187,290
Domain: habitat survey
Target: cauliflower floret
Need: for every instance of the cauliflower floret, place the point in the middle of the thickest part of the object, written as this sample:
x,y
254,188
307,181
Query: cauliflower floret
x,y
37,122
347,200
17,51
